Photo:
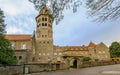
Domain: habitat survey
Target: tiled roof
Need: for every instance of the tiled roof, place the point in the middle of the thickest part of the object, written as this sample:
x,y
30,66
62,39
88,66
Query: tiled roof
x,y
91,44
74,48
73,55
16,37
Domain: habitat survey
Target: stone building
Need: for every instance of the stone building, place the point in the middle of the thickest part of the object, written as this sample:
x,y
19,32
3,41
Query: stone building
x,y
22,45
39,48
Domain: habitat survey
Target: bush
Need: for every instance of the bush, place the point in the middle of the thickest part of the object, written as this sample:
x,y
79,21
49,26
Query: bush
x,y
96,59
86,59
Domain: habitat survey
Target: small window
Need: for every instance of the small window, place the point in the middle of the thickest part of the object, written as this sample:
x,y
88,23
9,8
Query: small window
x,y
20,57
38,20
40,54
24,46
45,24
60,53
44,54
44,42
45,35
42,19
55,53
42,24
99,51
45,19
48,54
40,42
15,57
39,24
13,45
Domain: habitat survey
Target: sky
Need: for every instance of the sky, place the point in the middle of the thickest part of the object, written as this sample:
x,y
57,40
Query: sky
x,y
74,30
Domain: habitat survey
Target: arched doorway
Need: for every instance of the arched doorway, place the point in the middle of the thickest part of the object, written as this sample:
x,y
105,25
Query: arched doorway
x,y
75,63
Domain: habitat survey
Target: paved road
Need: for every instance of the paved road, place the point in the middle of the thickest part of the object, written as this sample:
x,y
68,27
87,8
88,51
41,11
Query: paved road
x,y
100,70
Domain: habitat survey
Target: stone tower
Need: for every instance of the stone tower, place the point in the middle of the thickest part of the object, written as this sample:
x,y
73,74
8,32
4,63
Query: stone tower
x,y
44,36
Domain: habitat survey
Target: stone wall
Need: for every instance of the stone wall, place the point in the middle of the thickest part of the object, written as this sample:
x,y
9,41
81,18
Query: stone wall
x,y
33,68
11,70
98,63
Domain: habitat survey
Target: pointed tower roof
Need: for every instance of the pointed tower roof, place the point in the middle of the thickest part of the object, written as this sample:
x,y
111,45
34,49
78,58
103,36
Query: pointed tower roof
x,y
91,44
45,11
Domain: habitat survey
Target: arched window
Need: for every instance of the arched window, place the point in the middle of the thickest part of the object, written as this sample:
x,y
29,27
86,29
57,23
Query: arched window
x,y
43,19
23,46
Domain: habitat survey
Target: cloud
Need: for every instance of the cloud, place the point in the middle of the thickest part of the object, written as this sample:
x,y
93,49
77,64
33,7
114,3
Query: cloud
x,y
74,29
17,7
13,30
19,16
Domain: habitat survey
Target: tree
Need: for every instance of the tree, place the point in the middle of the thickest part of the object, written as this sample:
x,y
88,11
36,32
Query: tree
x,y
86,59
115,49
57,6
6,51
104,9
2,24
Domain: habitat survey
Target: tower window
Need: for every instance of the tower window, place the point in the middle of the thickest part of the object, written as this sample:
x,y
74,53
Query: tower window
x,y
42,19
38,20
42,24
45,19
45,24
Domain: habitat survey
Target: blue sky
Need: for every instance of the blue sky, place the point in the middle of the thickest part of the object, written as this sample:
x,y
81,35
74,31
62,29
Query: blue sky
x,y
75,29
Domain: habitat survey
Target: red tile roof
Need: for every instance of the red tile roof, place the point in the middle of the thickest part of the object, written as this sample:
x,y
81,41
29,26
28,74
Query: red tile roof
x,y
16,37
91,44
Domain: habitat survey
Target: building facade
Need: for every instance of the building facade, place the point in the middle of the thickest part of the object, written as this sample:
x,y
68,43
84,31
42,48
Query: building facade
x,y
39,47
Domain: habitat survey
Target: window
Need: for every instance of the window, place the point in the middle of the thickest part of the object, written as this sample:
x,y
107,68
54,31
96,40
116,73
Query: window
x,y
37,26
45,35
44,54
15,57
24,46
20,57
42,35
42,19
13,45
55,53
60,53
39,42
48,54
39,54
103,51
45,19
45,24
42,24
38,20
99,51
43,42
106,56
39,59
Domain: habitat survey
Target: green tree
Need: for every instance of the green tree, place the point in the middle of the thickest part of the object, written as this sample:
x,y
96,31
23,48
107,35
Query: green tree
x,y
6,51
86,59
104,10
115,49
